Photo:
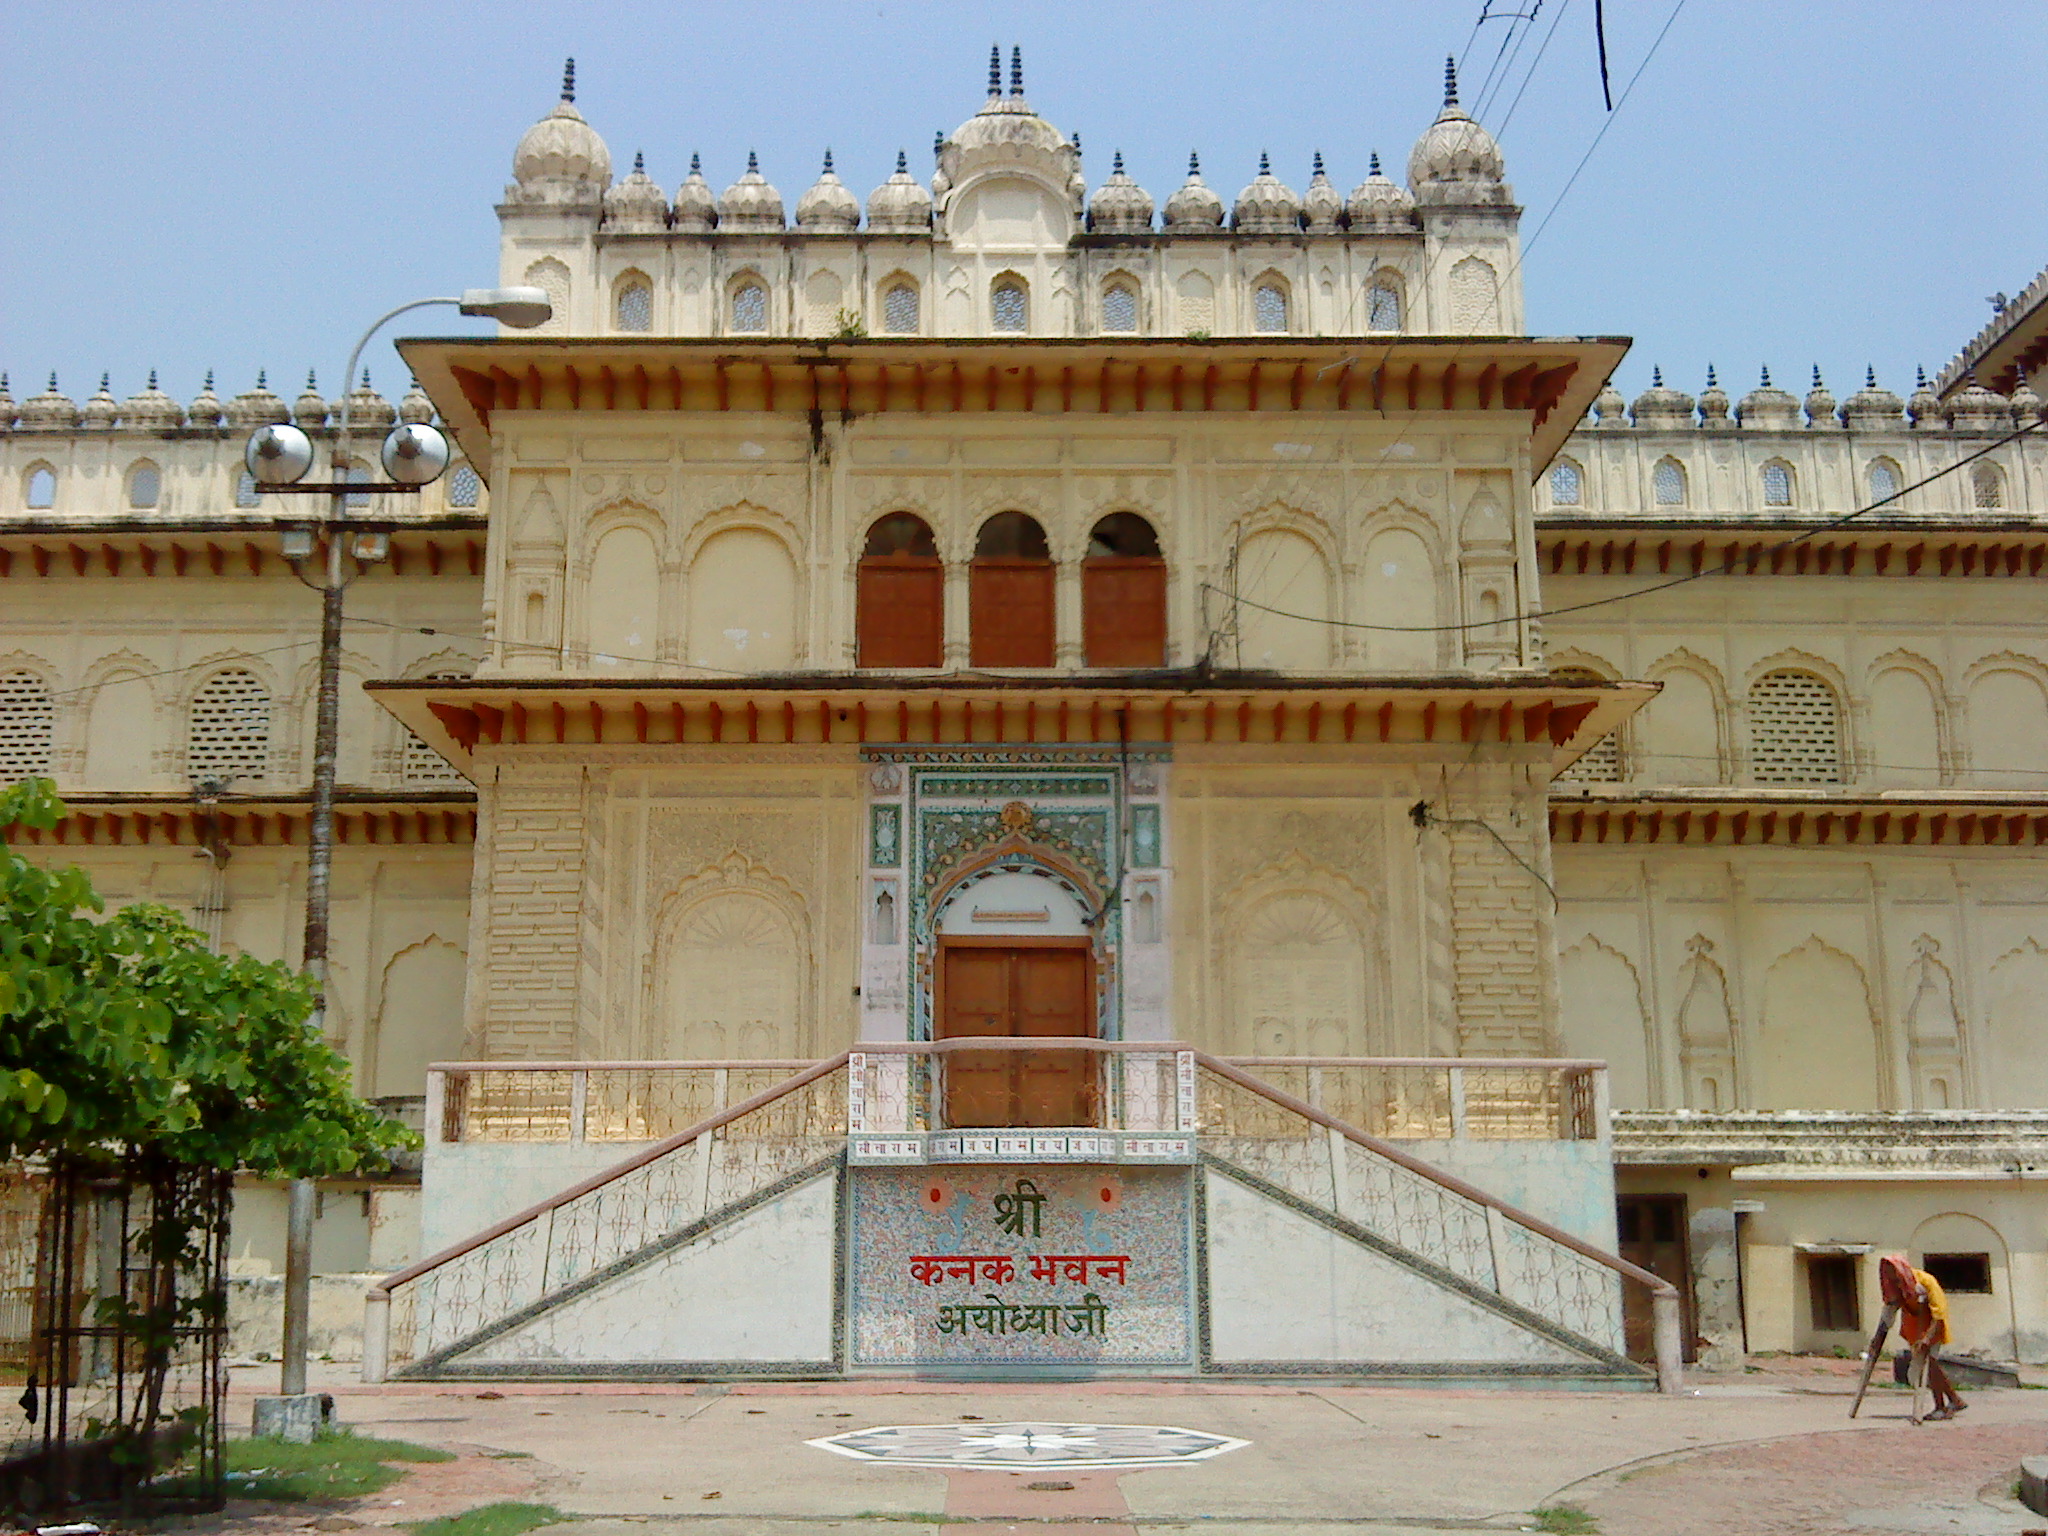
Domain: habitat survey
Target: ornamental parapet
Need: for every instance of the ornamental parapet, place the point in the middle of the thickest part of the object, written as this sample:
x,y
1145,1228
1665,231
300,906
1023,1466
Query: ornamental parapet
x,y
1989,1143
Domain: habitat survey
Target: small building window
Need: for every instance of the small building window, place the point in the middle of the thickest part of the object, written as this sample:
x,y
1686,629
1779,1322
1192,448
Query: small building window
x,y
247,496
1123,595
1831,1293
463,486
228,733
145,486
358,474
750,309
1967,1274
1119,308
1383,308
1567,484
1795,730
899,309
635,309
1777,484
1010,594
42,488
1667,483
28,721
1269,308
1987,489
1010,305
901,617
1884,481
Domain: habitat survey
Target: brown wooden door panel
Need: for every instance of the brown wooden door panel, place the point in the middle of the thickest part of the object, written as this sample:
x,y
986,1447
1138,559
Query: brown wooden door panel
x,y
1653,1236
977,1002
1123,611
902,612
1035,992
1010,613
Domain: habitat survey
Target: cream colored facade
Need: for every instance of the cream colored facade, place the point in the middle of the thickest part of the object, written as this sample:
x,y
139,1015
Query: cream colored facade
x,y
1799,901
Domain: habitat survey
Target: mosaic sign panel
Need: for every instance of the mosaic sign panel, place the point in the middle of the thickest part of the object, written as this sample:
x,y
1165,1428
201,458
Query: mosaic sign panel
x,y
1020,1264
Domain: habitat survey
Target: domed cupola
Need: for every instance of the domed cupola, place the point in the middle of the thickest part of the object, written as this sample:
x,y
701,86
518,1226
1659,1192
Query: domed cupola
x,y
1380,206
310,409
1872,409
1713,402
151,410
258,407
416,409
1925,406
1194,209
1322,205
636,206
367,408
8,409
1820,403
2026,405
205,410
1609,409
560,159
1767,406
51,411
827,207
1662,406
1973,408
900,205
102,410
1007,135
1120,206
696,205
1456,162
1267,206
750,205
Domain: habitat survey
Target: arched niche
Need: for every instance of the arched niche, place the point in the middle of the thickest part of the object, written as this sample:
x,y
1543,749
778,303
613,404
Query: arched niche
x,y
623,602
1022,903
743,602
1009,213
1285,584
731,981
419,1016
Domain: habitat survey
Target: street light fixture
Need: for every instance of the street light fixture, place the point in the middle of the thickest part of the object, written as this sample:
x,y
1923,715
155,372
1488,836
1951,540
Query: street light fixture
x,y
278,458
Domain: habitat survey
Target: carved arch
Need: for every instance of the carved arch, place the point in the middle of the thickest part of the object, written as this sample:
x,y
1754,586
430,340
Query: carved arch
x,y
622,511
734,876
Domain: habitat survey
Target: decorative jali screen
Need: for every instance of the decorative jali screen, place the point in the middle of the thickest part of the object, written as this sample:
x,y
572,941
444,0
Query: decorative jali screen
x,y
1059,1266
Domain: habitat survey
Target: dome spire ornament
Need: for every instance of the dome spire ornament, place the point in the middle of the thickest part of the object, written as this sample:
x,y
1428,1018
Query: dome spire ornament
x,y
1450,80
1456,163
1322,205
828,205
1713,402
995,69
696,209
1120,206
1872,408
900,206
561,159
1016,70
1820,403
569,80
1195,208
1925,406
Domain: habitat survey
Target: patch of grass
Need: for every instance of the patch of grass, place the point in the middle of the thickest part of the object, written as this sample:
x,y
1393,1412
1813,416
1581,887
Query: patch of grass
x,y
507,1519
1565,1520
333,1466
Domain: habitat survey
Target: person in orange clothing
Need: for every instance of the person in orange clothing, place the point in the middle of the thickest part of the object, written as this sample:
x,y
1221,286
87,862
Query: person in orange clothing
x,y
1923,1323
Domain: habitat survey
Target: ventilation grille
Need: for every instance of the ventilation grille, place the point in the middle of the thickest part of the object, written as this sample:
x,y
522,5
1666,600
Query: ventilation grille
x,y
899,310
636,308
463,486
1119,310
28,723
1794,730
1601,762
1383,310
229,736
421,763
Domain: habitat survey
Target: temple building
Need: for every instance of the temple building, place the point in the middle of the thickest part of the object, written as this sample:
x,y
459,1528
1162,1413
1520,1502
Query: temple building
x,y
1387,816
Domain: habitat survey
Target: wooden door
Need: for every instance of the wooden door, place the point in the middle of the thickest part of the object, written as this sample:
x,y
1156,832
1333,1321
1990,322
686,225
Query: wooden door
x,y
902,611
1652,1229
1123,611
1010,612
1040,991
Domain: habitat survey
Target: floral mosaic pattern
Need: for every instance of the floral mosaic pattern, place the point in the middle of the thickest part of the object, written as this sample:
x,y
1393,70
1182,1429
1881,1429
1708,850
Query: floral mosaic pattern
x,y
1010,1447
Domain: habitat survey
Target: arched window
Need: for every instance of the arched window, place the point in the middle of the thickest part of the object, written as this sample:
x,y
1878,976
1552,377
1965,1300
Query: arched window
x,y
145,486
1601,762
1269,308
633,310
1567,484
899,308
1119,308
750,309
42,488
1987,488
1667,483
1010,595
1777,478
1383,307
28,723
246,494
1010,305
1123,595
228,733
1795,730
1884,480
902,600
421,764
463,486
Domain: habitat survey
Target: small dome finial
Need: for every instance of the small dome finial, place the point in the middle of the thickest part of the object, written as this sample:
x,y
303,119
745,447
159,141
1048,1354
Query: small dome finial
x,y
1870,376
639,163
1656,378
1919,377
1816,377
753,164
1765,381
1265,163
1194,163
1374,168
366,378
696,164
1317,168
902,163
938,143
208,385
828,157
1016,70
152,378
1116,163
309,379
262,379
1450,80
995,69
1075,139
107,378
1712,382
569,80
53,382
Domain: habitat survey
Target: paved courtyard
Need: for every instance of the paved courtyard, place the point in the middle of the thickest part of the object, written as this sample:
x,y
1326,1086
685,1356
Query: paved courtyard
x,y
1763,1452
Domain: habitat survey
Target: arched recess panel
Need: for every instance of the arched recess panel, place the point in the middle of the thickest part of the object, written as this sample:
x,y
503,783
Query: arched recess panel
x,y
1400,589
902,599
118,728
1123,595
1903,732
1298,983
1817,1044
2016,1070
1680,735
1010,595
624,602
2008,731
742,603
419,1017
733,983
1286,577
1603,1018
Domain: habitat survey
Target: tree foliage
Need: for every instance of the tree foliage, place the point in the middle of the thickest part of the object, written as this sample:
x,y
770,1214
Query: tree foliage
x,y
124,1034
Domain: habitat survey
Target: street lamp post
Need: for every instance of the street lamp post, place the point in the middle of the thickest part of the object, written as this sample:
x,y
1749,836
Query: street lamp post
x,y
278,456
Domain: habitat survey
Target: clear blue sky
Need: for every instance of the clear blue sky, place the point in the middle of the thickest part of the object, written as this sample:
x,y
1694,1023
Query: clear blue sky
x,y
238,186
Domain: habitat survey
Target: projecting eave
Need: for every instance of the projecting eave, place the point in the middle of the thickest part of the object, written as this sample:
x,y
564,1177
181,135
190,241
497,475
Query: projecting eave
x,y
1546,382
